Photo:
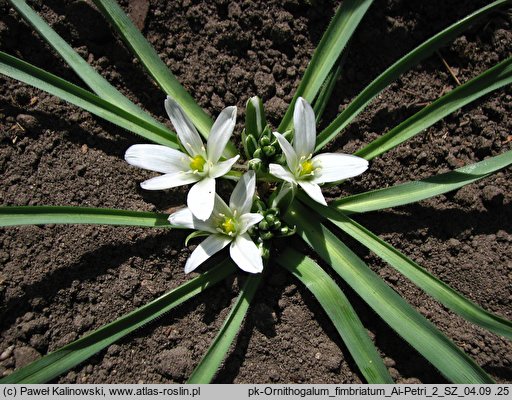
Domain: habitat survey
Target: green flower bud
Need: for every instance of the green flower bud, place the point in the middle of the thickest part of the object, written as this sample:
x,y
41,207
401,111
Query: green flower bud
x,y
250,144
287,231
264,141
255,164
263,225
270,218
269,151
267,235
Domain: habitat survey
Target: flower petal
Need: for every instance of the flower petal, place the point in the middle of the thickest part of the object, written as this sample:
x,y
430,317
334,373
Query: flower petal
x,y
220,207
169,181
243,195
304,124
336,166
201,197
246,254
248,220
280,172
291,156
223,167
220,133
313,191
157,158
207,248
187,133
184,218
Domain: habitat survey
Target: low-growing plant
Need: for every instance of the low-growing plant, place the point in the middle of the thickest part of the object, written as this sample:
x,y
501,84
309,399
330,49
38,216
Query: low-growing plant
x,y
277,194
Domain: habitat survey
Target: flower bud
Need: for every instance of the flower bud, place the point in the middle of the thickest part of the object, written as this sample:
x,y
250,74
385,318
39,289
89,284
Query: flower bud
x,y
255,164
269,151
270,218
267,235
265,141
250,144
263,225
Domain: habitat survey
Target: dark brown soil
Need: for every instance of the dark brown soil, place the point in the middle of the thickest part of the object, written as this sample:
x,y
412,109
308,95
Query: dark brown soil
x,y
59,282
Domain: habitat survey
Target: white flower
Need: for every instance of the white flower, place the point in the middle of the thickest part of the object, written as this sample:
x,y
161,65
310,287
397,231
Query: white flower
x,y
304,169
198,164
227,224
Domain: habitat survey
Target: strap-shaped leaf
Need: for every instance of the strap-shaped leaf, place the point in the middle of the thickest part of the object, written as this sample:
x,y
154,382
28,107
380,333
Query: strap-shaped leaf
x,y
157,68
208,366
394,71
492,79
38,215
324,95
338,33
341,313
415,191
27,73
58,362
421,334
88,74
422,278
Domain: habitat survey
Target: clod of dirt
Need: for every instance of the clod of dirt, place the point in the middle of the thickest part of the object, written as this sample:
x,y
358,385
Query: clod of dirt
x,y
25,355
138,12
175,363
265,85
28,122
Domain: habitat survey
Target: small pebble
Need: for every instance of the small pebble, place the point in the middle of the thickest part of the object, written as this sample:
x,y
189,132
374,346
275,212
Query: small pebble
x,y
27,121
6,353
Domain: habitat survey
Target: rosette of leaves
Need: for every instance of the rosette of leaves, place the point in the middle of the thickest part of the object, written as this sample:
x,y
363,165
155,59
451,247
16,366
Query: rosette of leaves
x,y
318,226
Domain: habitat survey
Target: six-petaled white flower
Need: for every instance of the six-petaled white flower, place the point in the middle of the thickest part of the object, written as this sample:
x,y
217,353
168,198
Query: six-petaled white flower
x,y
198,164
304,169
227,224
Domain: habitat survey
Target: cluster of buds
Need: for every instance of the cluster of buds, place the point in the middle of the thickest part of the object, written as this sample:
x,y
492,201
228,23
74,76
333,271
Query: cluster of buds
x,y
260,145
272,226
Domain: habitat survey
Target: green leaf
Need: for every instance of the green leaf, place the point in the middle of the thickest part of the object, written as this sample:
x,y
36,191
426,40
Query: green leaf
x,y
341,313
208,366
38,215
27,73
492,79
157,68
412,192
414,272
452,362
338,33
89,75
58,362
324,95
394,71
255,119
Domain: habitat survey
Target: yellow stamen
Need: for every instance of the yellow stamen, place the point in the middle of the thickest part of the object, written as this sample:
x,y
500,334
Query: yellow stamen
x,y
197,163
228,226
307,168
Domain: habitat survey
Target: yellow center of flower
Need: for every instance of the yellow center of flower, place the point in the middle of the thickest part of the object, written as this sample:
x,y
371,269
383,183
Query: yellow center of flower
x,y
307,168
228,226
197,163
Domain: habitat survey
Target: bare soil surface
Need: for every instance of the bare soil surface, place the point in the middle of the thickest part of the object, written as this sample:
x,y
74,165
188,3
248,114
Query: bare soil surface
x,y
59,282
